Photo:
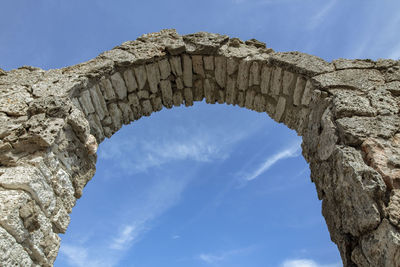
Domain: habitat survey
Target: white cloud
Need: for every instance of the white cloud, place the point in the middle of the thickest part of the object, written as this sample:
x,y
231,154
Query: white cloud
x,y
213,259
319,17
137,218
125,237
209,258
306,263
79,256
290,152
198,145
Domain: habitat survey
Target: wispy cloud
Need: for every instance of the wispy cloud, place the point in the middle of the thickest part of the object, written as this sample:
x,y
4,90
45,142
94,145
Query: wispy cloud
x,y
136,219
125,237
214,259
198,145
319,17
79,256
306,263
292,151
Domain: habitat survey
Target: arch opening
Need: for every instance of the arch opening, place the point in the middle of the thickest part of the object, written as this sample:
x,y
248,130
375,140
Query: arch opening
x,y
222,138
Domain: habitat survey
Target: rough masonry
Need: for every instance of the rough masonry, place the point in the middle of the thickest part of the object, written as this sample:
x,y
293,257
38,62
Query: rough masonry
x,y
347,112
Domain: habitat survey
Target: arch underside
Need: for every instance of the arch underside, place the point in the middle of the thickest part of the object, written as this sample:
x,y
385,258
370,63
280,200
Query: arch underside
x,y
346,111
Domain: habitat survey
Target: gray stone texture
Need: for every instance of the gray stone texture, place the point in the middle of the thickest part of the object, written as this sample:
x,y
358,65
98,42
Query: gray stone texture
x,y
347,113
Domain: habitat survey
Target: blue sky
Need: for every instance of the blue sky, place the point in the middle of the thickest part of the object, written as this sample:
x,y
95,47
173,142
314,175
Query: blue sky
x,y
209,185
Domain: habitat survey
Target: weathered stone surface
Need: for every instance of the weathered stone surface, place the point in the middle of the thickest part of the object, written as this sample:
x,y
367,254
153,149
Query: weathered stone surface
x,y
383,156
166,92
280,109
254,78
86,102
350,103
177,98
354,130
153,76
243,75
276,83
393,87
204,42
198,65
394,207
119,86
230,90
302,63
366,79
106,86
11,252
381,247
141,76
343,63
266,73
209,92
220,70
130,80
305,100
346,111
288,82
187,70
298,90
208,62
98,102
188,95
176,66
116,115
165,68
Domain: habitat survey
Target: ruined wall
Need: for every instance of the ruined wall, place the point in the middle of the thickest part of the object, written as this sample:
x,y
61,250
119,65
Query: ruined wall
x,y
347,112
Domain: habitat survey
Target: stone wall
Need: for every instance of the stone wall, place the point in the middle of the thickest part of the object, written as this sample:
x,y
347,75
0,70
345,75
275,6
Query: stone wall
x,y
347,112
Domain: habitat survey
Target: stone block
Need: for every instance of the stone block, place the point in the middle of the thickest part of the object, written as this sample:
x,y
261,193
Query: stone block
x,y
106,86
250,94
153,76
86,102
119,86
141,76
243,75
166,92
176,66
276,84
231,90
254,78
298,90
98,102
209,91
266,73
187,71
116,115
198,65
208,62
188,96
288,82
130,80
220,70
198,91
280,109
307,94
165,68
177,98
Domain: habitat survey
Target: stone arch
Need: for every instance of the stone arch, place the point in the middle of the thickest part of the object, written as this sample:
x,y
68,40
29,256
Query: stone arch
x,y
347,112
